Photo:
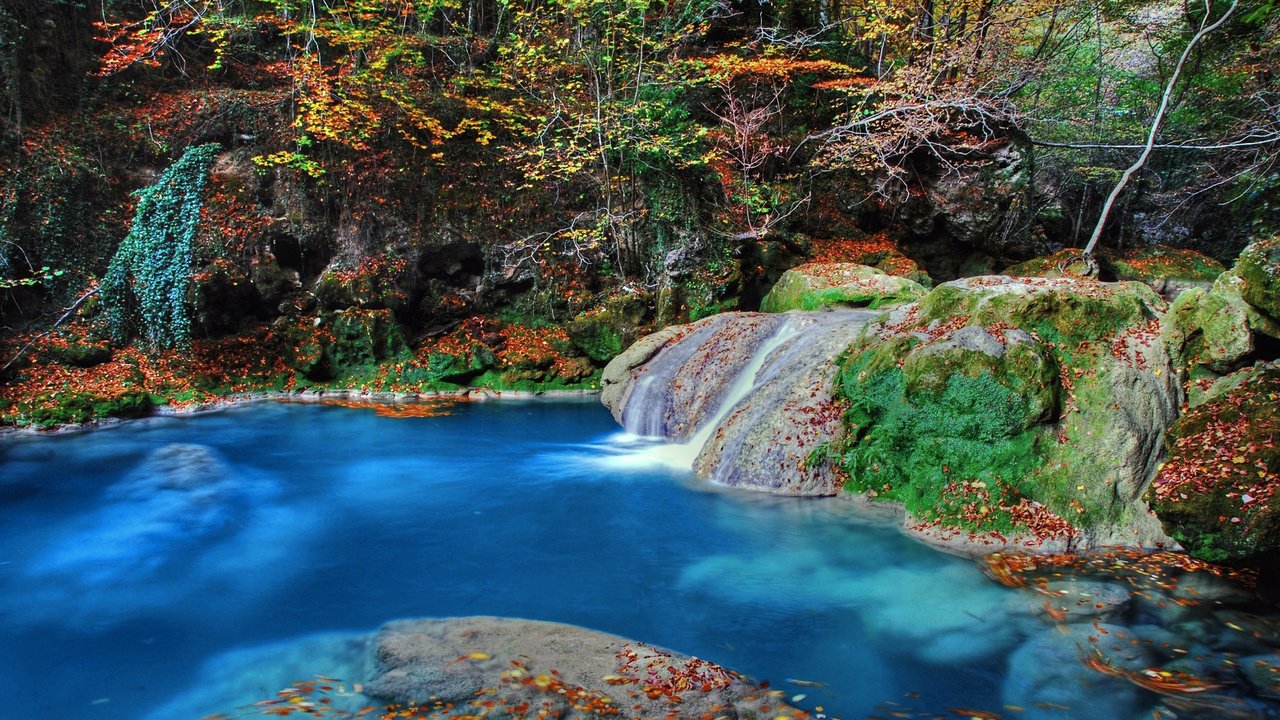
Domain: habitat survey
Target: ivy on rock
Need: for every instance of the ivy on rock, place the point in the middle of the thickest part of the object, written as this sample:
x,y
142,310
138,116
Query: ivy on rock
x,y
144,291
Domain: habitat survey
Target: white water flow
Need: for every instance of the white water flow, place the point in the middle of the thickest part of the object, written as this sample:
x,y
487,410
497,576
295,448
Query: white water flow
x,y
640,450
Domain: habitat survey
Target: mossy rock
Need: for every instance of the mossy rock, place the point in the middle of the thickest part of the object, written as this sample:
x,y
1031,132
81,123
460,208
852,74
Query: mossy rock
x,y
876,251
1064,263
1258,266
1210,329
75,408
994,395
814,286
461,368
1215,492
604,332
1059,310
1169,271
1158,263
273,282
81,354
339,344
370,287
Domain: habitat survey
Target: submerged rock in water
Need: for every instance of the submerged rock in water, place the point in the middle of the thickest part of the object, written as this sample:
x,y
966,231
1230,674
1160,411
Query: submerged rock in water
x,y
498,665
184,512
181,495
244,676
1049,680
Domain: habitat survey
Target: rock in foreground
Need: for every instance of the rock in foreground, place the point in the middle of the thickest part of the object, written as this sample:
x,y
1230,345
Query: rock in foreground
x,y
510,668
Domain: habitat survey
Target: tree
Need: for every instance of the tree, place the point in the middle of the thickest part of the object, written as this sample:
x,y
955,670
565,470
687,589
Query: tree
x,y
1091,263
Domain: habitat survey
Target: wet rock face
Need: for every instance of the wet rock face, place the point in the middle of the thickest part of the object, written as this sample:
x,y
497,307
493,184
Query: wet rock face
x,y
516,668
774,437
672,383
753,392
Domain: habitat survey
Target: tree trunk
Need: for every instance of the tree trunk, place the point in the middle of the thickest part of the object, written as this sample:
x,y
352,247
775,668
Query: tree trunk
x,y
1090,262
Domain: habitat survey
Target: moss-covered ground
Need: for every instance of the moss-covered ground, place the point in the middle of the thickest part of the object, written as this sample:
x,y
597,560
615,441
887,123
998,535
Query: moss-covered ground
x,y
51,385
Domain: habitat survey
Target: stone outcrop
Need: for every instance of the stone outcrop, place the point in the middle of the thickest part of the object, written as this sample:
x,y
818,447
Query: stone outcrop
x,y
994,407
1007,405
1215,494
814,286
476,667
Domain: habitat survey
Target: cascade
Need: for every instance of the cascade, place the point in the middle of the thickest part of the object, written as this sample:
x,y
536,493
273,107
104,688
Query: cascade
x,y
742,399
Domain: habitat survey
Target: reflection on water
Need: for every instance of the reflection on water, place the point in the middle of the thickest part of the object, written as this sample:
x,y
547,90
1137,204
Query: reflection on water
x,y
183,566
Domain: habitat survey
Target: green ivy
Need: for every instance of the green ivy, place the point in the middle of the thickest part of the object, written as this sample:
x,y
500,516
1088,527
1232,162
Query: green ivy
x,y
145,289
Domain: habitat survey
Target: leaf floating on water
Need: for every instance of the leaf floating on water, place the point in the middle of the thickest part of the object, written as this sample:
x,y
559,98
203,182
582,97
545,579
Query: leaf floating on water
x,y
975,714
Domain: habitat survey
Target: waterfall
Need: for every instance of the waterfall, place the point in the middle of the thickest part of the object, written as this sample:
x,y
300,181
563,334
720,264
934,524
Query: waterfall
x,y
743,384
652,399
741,398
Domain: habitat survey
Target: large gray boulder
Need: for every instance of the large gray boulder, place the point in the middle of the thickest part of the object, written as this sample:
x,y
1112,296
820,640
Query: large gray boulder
x,y
493,663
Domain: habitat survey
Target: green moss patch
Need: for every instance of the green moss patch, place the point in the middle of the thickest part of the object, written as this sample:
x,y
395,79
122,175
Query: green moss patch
x,y
817,285
992,396
1259,267
1157,262
76,408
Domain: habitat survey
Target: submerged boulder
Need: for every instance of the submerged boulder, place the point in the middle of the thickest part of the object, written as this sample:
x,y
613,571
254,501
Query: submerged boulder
x,y
240,677
504,666
814,286
1012,406
1049,680
1215,493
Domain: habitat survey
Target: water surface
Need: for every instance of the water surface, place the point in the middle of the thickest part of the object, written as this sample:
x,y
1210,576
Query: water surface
x,y
118,584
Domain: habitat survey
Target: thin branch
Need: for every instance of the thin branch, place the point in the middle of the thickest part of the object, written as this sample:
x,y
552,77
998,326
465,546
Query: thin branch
x,y
1087,254
69,311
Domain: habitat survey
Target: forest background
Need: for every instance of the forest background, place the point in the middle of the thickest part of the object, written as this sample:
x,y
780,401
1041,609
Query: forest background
x,y
412,194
